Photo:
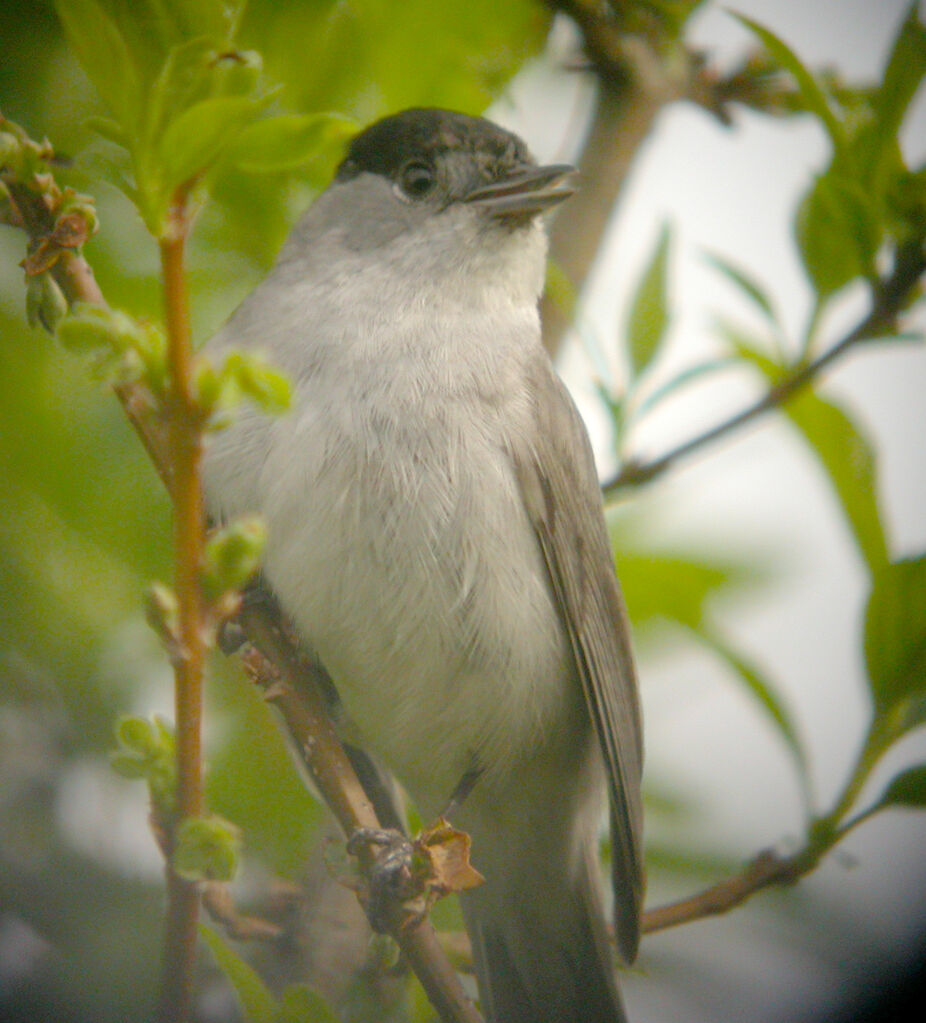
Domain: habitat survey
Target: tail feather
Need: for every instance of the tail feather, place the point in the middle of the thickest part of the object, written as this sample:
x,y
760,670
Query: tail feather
x,y
544,957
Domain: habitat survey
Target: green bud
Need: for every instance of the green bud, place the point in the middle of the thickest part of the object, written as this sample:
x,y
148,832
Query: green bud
x,y
10,153
46,305
233,556
128,765
82,206
147,750
137,735
206,849
265,386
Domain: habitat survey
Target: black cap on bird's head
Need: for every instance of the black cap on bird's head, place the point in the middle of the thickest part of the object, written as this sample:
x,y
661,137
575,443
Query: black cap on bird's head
x,y
443,157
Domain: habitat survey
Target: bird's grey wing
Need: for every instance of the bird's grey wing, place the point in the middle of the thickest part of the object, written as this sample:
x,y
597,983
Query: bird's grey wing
x,y
559,484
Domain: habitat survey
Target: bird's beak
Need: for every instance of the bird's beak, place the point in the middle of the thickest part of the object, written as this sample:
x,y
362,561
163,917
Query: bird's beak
x,y
526,191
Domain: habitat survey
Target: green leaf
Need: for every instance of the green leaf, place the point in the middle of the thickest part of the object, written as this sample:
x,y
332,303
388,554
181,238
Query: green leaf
x,y
810,89
663,587
906,789
256,1000
233,555
649,318
104,56
302,1004
763,693
849,460
905,70
108,129
193,141
895,639
687,376
206,849
288,141
842,450
560,289
745,284
838,232
184,79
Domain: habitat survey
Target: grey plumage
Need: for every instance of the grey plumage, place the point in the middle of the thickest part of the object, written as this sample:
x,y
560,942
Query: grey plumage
x,y
437,537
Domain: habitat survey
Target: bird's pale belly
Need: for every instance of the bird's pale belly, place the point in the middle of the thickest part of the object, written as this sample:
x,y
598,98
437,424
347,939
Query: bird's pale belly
x,y
418,582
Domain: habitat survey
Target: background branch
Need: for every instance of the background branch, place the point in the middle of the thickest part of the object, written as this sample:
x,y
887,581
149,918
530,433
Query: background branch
x,y
889,299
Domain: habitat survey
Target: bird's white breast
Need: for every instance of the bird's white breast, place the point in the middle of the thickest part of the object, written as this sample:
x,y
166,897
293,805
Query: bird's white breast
x,y
398,542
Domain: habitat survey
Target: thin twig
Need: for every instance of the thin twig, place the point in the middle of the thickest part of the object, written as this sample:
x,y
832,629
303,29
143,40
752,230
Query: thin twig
x,y
767,869
185,434
890,299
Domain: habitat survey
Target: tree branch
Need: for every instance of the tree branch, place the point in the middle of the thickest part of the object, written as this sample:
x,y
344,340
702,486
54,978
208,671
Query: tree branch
x,y
890,298
767,869
296,687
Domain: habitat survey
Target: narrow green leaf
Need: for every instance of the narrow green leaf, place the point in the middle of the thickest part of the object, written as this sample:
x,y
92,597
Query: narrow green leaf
x,y
104,56
763,693
895,638
687,376
256,1000
905,69
746,284
838,232
197,137
288,141
843,452
809,87
649,318
849,460
906,789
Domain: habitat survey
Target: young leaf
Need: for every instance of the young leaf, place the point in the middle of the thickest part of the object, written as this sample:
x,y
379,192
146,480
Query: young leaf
x,y
104,56
810,89
197,137
838,232
769,701
256,1000
288,141
842,450
905,70
649,318
895,637
906,789
183,80
206,849
746,285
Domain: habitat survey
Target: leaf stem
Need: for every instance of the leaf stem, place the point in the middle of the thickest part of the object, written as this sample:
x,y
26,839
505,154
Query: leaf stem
x,y
185,441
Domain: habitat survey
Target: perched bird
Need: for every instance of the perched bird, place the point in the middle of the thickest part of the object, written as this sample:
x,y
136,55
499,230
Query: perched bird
x,y
436,536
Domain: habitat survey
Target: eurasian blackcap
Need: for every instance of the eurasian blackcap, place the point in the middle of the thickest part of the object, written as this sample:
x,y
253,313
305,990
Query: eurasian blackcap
x,y
436,536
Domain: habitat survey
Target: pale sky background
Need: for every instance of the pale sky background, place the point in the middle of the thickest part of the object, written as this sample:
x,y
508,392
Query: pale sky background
x,y
733,192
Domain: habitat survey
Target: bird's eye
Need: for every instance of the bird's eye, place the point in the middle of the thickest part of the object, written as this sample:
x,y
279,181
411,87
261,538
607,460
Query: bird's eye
x,y
417,179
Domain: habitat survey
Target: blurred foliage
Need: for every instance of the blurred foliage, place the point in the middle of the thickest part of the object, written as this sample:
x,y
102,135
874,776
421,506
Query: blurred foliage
x,y
83,522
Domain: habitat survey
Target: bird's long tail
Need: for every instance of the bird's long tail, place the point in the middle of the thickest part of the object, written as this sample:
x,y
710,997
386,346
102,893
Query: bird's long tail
x,y
539,944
